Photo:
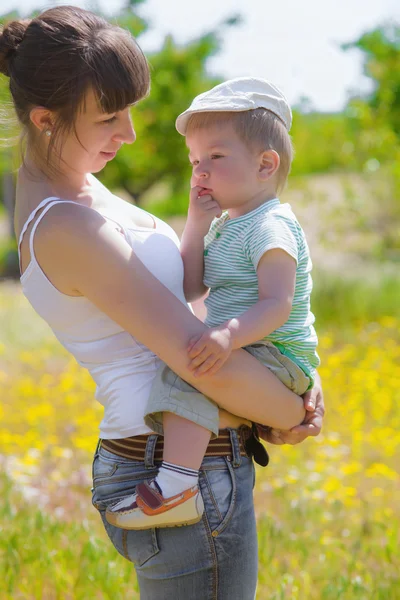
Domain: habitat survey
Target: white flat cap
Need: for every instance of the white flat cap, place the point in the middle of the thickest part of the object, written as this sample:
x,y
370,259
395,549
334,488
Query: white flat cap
x,y
237,95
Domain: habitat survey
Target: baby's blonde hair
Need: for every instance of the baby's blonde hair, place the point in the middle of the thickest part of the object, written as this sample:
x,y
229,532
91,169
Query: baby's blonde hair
x,y
259,129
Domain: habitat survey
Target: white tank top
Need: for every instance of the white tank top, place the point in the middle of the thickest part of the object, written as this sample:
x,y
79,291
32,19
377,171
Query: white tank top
x,y
122,367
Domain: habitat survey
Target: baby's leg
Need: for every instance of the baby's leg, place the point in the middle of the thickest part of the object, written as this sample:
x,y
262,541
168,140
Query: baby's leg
x,y
186,418
185,444
173,498
285,369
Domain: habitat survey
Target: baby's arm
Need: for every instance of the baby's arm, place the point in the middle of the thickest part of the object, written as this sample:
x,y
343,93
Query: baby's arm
x,y
202,210
276,273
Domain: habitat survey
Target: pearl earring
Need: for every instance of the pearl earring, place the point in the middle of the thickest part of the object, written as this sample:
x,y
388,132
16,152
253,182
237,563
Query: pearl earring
x,y
48,132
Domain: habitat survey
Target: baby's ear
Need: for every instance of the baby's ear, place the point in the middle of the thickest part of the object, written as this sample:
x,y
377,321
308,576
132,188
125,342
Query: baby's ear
x,y
269,164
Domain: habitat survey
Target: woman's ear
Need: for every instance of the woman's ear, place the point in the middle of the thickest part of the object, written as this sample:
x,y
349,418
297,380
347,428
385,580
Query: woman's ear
x,y
269,164
42,118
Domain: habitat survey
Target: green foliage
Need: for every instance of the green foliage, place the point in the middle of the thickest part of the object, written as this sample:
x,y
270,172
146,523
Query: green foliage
x,y
342,302
8,257
323,143
381,49
378,115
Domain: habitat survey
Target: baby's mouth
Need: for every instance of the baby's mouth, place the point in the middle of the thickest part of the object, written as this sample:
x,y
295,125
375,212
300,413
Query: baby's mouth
x,y
204,191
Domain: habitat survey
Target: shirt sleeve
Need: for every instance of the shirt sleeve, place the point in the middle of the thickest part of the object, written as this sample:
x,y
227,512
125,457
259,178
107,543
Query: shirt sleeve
x,y
272,232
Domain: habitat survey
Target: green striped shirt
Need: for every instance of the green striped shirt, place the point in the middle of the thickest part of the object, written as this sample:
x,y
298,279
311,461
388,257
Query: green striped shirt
x,y
233,249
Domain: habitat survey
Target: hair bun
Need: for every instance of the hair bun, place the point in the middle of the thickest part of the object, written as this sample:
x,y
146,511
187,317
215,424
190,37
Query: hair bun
x,y
10,38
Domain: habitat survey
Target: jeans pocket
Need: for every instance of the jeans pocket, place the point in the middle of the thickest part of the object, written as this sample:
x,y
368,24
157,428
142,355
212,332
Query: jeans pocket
x,y
136,546
102,467
113,480
218,488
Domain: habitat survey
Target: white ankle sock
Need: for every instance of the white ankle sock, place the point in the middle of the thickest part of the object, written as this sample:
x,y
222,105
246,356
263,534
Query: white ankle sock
x,y
174,479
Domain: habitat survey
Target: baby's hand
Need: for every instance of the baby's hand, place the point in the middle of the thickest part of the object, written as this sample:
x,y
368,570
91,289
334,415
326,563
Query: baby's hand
x,y
209,352
202,208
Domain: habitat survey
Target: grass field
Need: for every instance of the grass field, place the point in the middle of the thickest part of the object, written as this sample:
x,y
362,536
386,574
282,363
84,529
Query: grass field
x,y
328,510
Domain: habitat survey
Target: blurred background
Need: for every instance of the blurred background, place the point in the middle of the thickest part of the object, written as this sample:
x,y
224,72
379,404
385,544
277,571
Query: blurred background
x,y
328,510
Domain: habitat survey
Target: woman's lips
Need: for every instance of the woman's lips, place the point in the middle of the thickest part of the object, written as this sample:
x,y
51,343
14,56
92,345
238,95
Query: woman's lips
x,y
108,155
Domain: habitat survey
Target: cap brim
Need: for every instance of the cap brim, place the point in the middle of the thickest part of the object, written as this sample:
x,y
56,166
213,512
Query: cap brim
x,y
182,121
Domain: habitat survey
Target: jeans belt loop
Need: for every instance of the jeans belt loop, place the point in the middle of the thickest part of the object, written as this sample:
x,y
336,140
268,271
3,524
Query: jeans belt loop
x,y
96,453
149,452
236,456
97,447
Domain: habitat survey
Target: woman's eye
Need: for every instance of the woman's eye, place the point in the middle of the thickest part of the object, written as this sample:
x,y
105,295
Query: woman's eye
x,y
110,120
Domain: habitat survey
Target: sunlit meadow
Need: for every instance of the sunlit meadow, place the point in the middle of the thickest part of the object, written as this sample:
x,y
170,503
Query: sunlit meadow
x,y
328,509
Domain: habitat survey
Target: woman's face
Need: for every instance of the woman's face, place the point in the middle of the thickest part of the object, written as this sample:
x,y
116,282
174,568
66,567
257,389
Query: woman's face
x,y
97,138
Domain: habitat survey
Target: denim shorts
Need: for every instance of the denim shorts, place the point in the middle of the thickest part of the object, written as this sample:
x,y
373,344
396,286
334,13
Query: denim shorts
x,y
215,559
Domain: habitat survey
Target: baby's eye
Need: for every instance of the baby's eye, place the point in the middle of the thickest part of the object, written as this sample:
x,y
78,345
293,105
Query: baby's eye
x,y
194,162
214,156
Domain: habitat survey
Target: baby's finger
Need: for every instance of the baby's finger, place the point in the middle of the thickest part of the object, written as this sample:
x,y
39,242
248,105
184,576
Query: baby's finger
x,y
204,199
210,205
207,364
192,342
196,348
195,192
216,367
199,360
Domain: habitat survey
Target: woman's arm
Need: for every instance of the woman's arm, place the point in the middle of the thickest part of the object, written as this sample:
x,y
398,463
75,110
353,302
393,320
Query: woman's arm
x,y
98,263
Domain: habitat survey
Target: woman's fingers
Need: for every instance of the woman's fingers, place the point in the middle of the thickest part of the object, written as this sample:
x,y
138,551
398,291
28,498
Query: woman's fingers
x,y
309,400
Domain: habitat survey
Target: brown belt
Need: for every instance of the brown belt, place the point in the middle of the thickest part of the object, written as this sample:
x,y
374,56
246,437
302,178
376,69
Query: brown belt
x,y
135,447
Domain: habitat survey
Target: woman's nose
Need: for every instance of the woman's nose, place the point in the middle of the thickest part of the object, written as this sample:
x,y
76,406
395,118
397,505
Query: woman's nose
x,y
127,133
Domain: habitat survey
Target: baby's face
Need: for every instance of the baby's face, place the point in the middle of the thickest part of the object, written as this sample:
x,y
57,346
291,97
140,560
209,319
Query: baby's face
x,y
224,165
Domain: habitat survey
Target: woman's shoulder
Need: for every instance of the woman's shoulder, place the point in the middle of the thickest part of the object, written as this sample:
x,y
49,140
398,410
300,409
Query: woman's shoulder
x,y
67,229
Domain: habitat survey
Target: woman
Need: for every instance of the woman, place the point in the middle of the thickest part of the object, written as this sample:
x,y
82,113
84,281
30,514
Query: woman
x,y
107,278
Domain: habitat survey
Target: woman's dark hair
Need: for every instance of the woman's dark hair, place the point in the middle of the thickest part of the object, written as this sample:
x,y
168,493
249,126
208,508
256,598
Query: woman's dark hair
x,y
55,58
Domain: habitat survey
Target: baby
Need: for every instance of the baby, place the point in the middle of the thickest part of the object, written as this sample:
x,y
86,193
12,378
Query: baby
x,y
249,252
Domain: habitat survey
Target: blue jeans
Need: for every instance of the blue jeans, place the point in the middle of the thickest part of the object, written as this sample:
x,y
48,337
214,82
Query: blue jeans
x,y
215,559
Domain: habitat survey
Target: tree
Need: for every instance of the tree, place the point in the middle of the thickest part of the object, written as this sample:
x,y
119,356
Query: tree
x,y
381,49
378,115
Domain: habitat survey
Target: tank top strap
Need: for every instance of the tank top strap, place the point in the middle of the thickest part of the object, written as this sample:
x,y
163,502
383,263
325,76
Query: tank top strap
x,y
51,201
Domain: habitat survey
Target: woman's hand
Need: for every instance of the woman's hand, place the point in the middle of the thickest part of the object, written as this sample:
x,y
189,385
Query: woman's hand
x,y
311,426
